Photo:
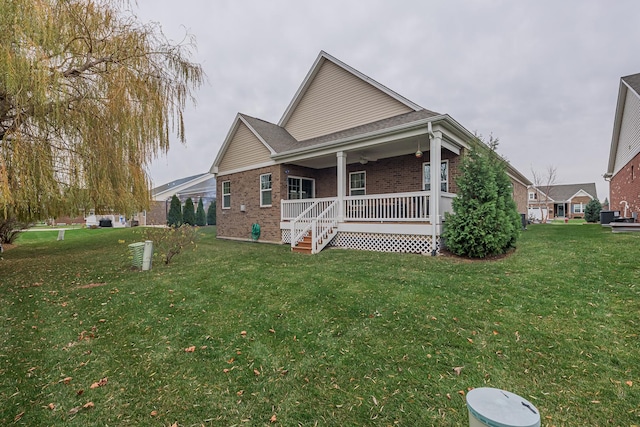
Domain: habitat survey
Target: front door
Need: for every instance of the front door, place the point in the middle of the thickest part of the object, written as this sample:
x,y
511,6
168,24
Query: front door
x,y
560,210
300,188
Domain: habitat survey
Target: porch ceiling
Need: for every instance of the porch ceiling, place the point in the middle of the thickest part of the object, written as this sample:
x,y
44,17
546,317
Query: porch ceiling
x,y
372,153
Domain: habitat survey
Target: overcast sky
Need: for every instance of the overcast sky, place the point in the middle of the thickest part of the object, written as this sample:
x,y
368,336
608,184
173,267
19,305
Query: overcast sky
x,y
542,76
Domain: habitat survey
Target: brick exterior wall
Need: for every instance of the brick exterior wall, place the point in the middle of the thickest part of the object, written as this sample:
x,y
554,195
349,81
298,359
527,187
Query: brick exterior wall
x,y
575,201
157,213
245,190
521,196
393,175
625,186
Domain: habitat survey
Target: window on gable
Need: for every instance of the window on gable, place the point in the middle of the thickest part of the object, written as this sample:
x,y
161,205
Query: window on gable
x,y
357,183
533,196
265,190
226,195
444,176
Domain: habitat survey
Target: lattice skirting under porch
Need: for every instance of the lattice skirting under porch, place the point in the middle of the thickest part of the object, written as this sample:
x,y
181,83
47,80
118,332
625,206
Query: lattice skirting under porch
x,y
377,242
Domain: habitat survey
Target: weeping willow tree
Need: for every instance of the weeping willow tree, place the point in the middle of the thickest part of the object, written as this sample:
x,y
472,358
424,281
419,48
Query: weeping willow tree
x,y
89,95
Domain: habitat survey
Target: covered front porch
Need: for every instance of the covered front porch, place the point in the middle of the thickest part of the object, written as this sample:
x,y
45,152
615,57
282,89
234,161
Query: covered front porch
x,y
387,196
391,222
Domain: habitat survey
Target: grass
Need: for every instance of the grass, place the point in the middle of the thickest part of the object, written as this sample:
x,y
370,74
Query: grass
x,y
339,338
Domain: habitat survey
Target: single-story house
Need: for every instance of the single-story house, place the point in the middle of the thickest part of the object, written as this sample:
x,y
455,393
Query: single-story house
x,y
200,186
623,171
348,165
559,201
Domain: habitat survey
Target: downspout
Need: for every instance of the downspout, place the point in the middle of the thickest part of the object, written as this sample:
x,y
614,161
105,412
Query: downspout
x,y
435,158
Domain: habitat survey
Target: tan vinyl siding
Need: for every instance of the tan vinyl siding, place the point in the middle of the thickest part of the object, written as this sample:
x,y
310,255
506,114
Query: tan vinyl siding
x,y
244,150
629,139
337,100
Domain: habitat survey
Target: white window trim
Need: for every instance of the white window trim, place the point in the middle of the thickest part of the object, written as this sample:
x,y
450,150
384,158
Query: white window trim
x,y
533,196
226,194
424,180
264,190
365,182
573,208
313,181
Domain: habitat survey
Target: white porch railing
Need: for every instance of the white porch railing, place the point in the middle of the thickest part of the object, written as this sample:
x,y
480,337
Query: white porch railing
x,y
316,212
388,207
292,209
324,228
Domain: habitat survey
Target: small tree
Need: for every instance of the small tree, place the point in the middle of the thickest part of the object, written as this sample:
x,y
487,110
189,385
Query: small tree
x,y
544,183
592,211
201,216
174,217
485,220
10,228
211,214
171,242
188,213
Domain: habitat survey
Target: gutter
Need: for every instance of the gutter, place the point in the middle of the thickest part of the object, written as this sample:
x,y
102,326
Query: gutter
x,y
356,138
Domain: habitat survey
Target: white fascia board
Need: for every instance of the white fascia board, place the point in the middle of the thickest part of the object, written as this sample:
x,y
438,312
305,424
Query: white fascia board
x,y
580,192
515,178
322,56
257,135
617,123
229,137
173,190
246,168
460,133
359,141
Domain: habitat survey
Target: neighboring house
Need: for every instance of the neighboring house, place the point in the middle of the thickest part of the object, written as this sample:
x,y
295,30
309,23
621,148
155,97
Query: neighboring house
x,y
559,201
347,165
201,186
623,171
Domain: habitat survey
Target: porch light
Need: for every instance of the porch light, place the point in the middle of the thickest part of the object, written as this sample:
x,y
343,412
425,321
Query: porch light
x,y
363,160
419,152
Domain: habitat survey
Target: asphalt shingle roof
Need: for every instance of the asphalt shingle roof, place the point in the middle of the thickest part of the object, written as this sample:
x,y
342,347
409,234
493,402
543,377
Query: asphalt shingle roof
x,y
561,193
281,141
175,183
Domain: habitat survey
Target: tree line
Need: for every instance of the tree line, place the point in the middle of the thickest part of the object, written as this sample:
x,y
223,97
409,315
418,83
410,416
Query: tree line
x,y
186,215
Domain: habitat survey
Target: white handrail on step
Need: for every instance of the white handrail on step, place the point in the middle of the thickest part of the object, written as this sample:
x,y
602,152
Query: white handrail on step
x,y
302,224
323,227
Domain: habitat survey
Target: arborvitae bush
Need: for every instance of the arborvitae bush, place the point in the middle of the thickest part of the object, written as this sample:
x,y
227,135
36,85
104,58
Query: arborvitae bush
x,y
201,216
592,211
188,212
485,220
174,217
211,214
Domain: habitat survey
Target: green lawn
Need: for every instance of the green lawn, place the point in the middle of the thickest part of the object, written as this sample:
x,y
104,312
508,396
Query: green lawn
x,y
340,338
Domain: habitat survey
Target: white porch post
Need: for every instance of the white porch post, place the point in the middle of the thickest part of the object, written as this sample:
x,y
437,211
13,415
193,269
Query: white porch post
x,y
435,158
342,182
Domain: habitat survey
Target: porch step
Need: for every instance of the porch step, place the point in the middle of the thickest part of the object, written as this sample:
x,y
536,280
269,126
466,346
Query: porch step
x,y
304,246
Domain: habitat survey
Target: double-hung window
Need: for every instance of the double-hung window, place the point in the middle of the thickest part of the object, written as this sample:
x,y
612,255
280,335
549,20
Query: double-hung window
x,y
578,208
265,190
444,176
226,195
357,183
